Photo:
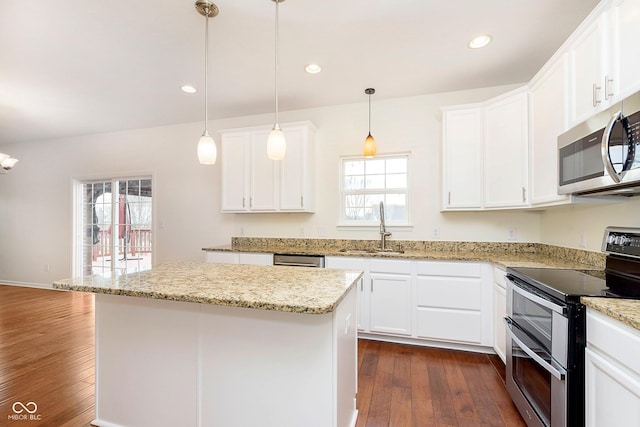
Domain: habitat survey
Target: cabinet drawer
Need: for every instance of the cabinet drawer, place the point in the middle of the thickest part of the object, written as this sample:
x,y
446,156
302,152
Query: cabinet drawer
x,y
346,263
222,257
451,269
499,277
614,339
390,266
449,292
450,325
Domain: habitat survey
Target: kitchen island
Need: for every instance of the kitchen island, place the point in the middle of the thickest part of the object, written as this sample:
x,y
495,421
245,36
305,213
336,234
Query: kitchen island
x,y
197,344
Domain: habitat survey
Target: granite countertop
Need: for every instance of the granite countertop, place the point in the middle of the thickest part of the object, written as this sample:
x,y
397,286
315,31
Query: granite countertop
x,y
502,257
625,310
288,289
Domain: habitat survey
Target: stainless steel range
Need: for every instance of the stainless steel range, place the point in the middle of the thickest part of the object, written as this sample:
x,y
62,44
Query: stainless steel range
x,y
546,329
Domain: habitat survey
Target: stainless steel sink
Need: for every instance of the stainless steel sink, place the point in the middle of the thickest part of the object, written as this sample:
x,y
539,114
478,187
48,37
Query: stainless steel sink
x,y
370,251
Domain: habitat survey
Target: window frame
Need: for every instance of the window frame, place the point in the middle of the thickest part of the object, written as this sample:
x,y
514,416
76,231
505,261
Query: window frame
x,y
345,224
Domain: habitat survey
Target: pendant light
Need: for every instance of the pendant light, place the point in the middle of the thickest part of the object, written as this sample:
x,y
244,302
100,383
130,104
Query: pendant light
x,y
276,143
207,151
369,142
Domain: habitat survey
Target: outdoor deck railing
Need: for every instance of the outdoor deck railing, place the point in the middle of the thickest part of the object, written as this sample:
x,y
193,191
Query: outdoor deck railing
x,y
139,243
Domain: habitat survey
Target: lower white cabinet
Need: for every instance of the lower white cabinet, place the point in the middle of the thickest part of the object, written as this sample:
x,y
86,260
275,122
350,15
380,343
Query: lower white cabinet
x,y
453,302
612,372
390,297
499,312
430,302
226,257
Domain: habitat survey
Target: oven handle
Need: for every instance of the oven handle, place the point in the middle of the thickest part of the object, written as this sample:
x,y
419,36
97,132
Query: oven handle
x,y
559,374
535,298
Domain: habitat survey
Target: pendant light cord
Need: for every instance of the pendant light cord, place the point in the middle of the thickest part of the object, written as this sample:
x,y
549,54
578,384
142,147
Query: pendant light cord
x,y
276,62
206,63
369,114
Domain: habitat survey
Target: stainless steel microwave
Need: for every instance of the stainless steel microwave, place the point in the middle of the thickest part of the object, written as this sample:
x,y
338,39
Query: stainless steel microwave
x,y
601,156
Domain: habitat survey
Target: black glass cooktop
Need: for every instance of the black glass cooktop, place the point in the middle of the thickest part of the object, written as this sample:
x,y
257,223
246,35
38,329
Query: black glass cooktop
x,y
565,285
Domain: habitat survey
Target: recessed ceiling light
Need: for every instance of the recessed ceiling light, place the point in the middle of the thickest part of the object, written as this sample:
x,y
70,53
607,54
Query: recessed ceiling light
x,y
313,68
480,41
188,89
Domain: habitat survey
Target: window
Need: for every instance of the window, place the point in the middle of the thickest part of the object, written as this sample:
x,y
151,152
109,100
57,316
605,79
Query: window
x,y
367,182
113,226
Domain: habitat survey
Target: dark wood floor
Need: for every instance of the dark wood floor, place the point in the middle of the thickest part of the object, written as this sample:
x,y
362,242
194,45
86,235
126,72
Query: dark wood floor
x,y
47,357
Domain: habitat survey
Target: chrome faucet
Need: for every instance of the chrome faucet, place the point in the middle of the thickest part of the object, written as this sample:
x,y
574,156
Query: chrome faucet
x,y
383,229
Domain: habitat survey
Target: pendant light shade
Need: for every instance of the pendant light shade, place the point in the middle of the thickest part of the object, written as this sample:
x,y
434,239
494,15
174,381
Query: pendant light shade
x,y
276,142
207,151
370,143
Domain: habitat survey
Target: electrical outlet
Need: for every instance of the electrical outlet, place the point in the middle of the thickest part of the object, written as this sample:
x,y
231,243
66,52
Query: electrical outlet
x,y
435,233
242,231
301,232
47,268
512,234
322,231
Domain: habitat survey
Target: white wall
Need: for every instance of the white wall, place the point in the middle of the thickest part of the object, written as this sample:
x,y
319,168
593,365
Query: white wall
x,y
582,226
36,197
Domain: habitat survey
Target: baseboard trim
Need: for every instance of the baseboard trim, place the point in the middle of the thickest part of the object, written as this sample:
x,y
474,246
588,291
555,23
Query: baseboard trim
x,y
27,284
425,343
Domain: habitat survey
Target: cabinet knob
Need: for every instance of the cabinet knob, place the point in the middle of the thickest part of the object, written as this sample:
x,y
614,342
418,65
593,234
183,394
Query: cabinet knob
x,y
243,202
524,194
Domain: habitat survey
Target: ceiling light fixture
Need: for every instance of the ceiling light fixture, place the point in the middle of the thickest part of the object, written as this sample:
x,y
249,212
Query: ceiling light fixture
x,y
276,143
370,142
7,162
188,89
313,68
480,41
207,151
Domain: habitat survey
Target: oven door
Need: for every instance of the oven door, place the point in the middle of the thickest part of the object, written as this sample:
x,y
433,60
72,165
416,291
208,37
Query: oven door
x,y
537,337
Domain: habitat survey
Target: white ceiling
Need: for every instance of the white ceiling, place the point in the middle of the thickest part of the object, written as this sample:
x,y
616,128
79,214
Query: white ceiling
x,y
71,67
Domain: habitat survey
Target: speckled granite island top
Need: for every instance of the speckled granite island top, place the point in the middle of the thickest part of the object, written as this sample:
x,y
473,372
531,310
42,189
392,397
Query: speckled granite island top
x,y
288,289
625,310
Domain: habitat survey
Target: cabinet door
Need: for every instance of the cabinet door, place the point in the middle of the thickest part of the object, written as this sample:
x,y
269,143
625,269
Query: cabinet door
x,y
263,174
462,150
390,303
506,150
612,395
234,173
499,311
348,263
625,23
548,99
587,65
293,179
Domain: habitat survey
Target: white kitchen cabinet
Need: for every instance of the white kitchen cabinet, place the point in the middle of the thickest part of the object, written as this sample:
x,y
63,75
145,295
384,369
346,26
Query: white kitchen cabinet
x,y
462,157
297,171
252,183
453,302
227,257
390,297
548,118
263,174
360,264
506,150
590,68
612,372
499,312
625,24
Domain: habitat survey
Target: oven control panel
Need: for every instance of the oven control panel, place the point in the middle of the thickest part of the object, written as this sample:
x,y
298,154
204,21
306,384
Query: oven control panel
x,y
622,241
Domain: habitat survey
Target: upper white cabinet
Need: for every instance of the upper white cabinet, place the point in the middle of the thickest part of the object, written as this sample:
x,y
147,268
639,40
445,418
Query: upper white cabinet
x,y
604,57
625,24
548,118
485,153
462,157
505,150
253,183
591,73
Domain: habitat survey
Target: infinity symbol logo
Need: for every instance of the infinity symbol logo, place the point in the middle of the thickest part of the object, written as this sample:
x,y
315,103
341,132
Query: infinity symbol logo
x,y
22,407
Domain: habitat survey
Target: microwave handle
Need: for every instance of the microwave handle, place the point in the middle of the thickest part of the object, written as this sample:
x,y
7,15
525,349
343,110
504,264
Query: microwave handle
x,y
604,149
559,374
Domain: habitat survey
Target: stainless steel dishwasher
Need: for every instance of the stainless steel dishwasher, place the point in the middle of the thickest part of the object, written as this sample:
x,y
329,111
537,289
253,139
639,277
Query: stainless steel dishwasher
x,y
311,261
